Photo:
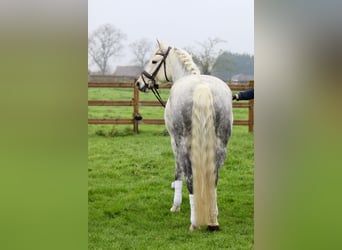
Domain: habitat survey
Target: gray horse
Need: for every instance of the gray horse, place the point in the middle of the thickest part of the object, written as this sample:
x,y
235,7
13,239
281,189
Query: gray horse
x,y
198,116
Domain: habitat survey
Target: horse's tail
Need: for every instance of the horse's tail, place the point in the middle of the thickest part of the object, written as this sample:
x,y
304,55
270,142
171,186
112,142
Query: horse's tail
x,y
203,145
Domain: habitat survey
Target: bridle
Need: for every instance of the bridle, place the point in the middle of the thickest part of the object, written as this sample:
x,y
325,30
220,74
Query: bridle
x,y
152,77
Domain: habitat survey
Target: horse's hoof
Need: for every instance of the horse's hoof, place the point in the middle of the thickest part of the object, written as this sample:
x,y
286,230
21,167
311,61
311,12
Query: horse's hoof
x,y
213,228
175,208
193,228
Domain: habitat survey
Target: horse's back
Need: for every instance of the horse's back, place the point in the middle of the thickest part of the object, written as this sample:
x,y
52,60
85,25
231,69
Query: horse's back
x,y
185,86
179,107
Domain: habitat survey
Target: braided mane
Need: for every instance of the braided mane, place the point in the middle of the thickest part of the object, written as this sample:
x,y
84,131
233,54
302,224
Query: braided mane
x,y
187,61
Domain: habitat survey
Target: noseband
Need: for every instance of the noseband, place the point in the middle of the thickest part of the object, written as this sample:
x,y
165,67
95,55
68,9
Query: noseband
x,y
152,77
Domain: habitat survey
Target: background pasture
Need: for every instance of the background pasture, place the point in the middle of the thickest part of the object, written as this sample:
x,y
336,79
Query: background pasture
x,y
130,185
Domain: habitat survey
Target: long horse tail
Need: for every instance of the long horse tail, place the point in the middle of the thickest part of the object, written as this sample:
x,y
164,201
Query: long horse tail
x,y
203,145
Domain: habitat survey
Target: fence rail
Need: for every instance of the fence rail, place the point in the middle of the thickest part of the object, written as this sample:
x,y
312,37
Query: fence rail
x,y
128,82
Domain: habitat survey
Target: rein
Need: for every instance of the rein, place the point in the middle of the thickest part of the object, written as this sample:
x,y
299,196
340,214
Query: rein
x,y
157,95
155,86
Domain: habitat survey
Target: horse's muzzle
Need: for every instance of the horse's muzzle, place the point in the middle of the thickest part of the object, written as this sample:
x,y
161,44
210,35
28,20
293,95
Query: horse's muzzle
x,y
144,88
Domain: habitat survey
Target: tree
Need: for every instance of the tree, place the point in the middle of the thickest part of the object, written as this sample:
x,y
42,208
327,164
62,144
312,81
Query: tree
x,y
103,44
228,64
224,67
141,49
206,56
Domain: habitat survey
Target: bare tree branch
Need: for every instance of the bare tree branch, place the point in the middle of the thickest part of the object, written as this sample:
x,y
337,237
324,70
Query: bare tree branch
x,y
206,56
141,49
103,44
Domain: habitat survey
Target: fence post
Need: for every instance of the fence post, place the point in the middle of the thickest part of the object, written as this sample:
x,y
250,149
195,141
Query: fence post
x,y
251,111
135,109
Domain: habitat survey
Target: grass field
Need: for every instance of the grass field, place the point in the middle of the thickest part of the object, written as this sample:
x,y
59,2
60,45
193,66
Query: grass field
x,y
130,191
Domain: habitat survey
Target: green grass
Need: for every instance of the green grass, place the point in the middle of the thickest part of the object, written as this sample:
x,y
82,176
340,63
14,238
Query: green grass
x,y
130,194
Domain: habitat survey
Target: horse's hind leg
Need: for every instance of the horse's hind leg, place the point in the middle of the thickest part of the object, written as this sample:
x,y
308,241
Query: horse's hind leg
x,y
213,222
189,184
193,225
177,184
220,157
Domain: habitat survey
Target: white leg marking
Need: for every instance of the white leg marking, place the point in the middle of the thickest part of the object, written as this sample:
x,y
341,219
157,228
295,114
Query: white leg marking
x,y
177,199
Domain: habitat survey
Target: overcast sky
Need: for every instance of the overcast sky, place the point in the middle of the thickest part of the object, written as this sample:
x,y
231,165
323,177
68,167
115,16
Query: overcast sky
x,y
180,23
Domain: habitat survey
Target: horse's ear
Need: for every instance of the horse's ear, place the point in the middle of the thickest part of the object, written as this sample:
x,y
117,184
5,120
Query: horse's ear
x,y
161,45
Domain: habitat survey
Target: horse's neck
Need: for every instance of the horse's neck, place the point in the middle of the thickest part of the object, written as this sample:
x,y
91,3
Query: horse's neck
x,y
179,69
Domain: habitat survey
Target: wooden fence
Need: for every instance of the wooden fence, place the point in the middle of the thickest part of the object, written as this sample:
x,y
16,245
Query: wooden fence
x,y
128,82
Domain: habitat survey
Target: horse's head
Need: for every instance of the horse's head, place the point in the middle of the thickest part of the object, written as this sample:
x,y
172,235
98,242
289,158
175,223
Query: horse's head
x,y
155,71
